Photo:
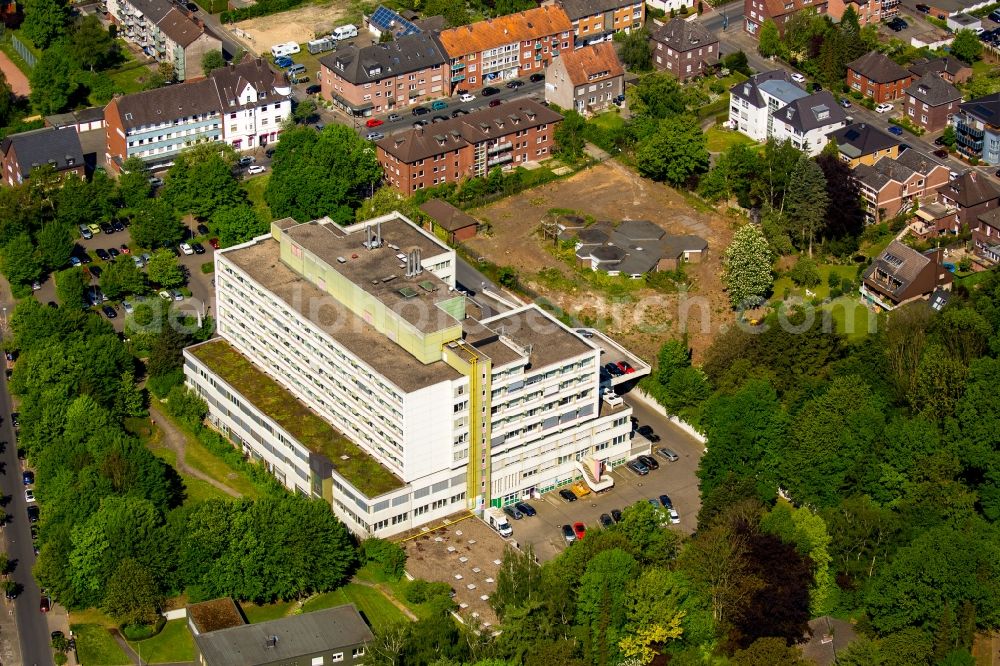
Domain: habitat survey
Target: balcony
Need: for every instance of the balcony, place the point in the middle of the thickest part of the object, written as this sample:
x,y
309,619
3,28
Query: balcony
x,y
499,148
457,66
501,159
966,130
538,46
457,78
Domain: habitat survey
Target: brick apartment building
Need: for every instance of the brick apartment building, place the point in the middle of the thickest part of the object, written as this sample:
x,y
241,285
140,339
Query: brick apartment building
x,y
506,136
972,194
755,12
950,69
891,185
930,102
684,48
875,75
869,12
243,105
599,20
166,32
386,76
23,152
507,47
586,79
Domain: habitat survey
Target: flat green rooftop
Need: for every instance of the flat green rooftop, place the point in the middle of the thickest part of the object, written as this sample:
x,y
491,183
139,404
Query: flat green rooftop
x,y
360,469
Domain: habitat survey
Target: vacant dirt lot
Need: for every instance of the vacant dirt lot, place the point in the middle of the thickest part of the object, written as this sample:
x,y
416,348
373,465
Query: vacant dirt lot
x,y
465,555
15,77
296,25
644,318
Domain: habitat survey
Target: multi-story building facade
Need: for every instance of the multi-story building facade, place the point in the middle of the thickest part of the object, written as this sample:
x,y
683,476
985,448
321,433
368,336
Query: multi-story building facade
x,y
684,48
166,33
931,102
971,194
381,77
900,275
770,104
986,236
869,12
950,69
977,128
506,136
506,47
892,185
349,364
243,105
21,153
875,75
586,79
598,20
755,12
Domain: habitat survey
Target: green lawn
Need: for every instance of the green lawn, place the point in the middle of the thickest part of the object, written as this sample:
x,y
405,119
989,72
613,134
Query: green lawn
x,y
172,645
254,188
380,611
720,139
95,647
266,612
972,280
821,291
609,120
206,462
397,588
851,318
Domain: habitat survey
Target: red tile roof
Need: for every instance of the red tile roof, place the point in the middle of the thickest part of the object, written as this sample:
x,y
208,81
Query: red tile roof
x,y
583,63
523,26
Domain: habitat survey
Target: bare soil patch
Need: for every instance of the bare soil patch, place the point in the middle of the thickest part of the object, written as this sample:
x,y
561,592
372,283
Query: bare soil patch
x,y
644,319
15,77
296,25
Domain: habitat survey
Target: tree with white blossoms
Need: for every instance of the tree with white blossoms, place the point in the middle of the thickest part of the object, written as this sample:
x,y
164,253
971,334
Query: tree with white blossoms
x,y
747,266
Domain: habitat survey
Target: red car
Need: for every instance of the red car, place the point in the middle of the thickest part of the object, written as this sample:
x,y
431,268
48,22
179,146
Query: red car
x,y
580,530
625,367
124,249
373,122
214,243
44,605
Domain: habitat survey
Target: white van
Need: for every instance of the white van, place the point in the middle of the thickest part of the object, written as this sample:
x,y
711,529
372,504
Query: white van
x,y
288,48
346,31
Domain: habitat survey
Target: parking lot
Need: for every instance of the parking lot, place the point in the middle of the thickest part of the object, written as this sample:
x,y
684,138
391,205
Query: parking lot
x,y
676,479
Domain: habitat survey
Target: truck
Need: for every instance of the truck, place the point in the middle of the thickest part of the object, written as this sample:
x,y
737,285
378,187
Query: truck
x,y
496,519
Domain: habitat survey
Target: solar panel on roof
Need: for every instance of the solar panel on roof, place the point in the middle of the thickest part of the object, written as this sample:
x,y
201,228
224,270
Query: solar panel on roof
x,y
384,19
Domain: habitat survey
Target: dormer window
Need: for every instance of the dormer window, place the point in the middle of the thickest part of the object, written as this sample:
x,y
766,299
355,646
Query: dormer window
x,y
261,95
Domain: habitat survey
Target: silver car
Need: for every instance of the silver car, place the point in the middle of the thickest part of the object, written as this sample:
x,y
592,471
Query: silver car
x,y
668,454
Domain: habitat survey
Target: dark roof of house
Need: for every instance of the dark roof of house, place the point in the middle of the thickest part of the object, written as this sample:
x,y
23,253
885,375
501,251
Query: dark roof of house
x,y
878,67
60,146
901,262
327,630
776,8
871,177
919,162
681,35
416,144
932,90
179,27
447,216
153,10
633,247
750,89
595,62
232,80
89,115
408,53
970,189
215,614
860,139
639,230
578,9
432,23
812,112
946,64
986,109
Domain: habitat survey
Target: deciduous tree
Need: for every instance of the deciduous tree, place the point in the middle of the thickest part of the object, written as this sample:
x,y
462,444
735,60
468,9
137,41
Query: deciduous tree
x,y
164,270
675,153
55,245
212,60
769,41
122,277
133,596
54,79
635,51
156,224
44,21
21,263
747,267
966,46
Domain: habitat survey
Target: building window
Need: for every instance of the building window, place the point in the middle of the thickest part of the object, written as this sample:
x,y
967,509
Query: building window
x,y
337,656
358,652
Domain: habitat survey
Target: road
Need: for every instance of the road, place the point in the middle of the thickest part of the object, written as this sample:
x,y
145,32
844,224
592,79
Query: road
x,y
725,18
471,280
32,625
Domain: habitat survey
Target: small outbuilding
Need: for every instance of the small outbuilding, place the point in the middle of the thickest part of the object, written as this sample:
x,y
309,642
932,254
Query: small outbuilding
x,y
456,224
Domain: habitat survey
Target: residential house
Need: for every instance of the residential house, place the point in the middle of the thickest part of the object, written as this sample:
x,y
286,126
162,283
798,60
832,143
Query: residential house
x,y
950,69
243,105
956,22
337,635
509,135
875,75
755,12
807,121
684,48
900,274
599,20
972,194
586,79
977,128
382,77
166,32
506,47
457,225
21,153
861,143
84,120
676,6
869,12
632,248
384,21
753,103
891,186
986,236
931,101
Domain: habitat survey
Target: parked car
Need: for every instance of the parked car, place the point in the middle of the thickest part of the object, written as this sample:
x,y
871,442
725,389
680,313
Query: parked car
x,y
625,367
33,513
109,312
246,160
513,512
439,104
214,242
648,433
94,228
649,462
495,102
102,254
897,24
466,97
535,78
675,517
568,534
202,230
923,9
156,182
584,333
375,136
165,295
489,90
798,77
884,107
616,515
668,454
515,84
85,232
420,111
665,501
526,509
128,307
606,520
637,467
29,495
178,296
941,152
124,249
186,249
198,248
846,103
374,122
256,169
45,604
393,117
896,129
613,369
579,530
28,477
421,123
567,495
113,251
314,89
